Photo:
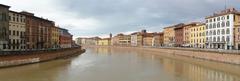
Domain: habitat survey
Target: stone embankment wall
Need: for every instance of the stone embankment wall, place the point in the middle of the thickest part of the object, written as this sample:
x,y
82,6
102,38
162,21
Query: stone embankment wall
x,y
35,57
213,56
231,58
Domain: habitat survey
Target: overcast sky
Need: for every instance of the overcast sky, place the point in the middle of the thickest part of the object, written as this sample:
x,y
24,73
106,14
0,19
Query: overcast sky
x,y
101,17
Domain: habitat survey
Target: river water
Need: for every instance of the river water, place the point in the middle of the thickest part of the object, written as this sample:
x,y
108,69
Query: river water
x,y
123,64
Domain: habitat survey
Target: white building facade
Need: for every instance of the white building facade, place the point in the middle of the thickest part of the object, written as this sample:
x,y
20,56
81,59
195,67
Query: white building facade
x,y
219,30
17,29
134,39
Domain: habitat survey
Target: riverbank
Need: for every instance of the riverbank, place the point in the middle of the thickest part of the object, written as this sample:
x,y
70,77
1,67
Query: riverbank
x,y
36,57
206,55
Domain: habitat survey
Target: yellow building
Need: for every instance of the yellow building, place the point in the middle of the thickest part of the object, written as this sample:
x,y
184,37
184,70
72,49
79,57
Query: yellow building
x,y
124,40
198,37
104,42
148,39
187,33
140,39
237,31
55,33
169,36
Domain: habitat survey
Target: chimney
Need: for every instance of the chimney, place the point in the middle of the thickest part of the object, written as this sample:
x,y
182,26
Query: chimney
x,y
144,31
110,35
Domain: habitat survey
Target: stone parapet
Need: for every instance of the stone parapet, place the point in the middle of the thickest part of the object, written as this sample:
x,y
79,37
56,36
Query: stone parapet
x,y
35,57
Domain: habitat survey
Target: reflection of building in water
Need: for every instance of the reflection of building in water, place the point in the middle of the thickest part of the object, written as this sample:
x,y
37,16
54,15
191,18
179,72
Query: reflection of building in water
x,y
103,50
196,73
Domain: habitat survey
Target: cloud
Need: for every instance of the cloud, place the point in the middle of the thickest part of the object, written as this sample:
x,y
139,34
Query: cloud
x,y
101,17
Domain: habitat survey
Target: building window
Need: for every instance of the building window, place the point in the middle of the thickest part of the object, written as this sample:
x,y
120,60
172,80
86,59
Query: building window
x,y
4,46
228,23
223,18
13,32
218,24
13,18
214,25
3,17
223,39
210,27
223,24
228,39
214,39
13,41
228,31
218,19
218,32
210,33
228,17
206,26
214,32
223,31
218,39
17,33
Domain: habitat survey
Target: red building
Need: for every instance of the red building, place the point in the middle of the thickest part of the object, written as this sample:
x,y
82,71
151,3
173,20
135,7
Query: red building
x,y
38,35
65,38
179,35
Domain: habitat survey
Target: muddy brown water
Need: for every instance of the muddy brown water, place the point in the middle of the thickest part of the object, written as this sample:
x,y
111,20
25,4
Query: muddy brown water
x,y
122,64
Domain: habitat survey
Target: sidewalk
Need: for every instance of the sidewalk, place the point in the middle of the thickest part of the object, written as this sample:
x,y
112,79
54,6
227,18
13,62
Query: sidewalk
x,y
200,49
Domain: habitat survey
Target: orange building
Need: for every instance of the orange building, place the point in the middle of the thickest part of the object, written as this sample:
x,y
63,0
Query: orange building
x,y
158,39
169,36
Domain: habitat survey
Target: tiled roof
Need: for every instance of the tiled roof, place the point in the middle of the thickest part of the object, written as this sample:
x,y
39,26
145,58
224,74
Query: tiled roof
x,y
224,12
174,26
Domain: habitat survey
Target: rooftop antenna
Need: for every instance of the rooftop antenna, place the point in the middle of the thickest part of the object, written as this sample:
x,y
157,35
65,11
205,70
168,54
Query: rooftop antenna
x,y
225,4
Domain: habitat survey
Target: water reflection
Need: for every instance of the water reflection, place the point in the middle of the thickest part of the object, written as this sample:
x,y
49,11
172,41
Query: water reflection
x,y
122,64
193,72
179,69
